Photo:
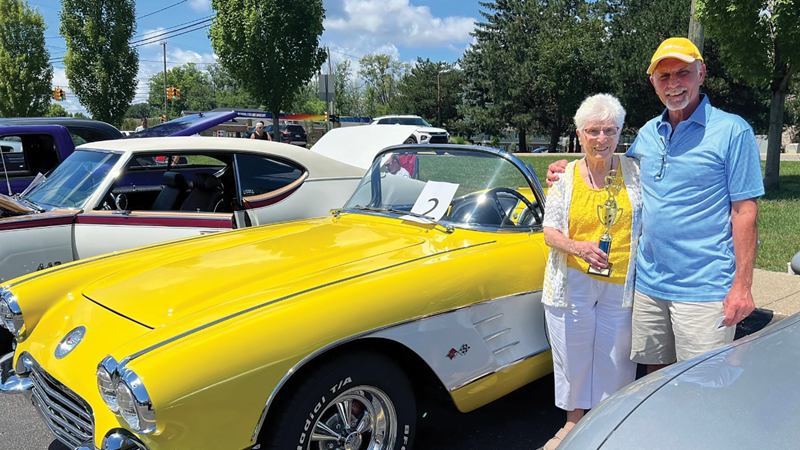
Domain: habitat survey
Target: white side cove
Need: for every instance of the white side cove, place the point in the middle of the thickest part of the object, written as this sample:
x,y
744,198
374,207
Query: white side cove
x,y
466,344
96,239
315,198
27,250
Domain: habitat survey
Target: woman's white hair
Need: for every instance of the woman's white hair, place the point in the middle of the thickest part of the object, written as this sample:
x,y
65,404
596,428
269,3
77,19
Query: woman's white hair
x,y
600,108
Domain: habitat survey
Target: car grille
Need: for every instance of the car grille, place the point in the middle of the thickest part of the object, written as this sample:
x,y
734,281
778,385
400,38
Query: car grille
x,y
67,415
438,139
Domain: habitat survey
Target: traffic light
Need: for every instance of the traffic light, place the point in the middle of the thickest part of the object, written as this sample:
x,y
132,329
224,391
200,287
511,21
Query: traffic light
x,y
59,94
163,118
170,92
326,116
177,94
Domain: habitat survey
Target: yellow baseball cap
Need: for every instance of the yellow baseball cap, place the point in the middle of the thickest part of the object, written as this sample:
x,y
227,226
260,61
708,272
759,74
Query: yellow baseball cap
x,y
680,48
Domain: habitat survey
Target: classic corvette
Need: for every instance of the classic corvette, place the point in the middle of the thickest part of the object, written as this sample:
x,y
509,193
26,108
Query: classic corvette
x,y
322,333
119,194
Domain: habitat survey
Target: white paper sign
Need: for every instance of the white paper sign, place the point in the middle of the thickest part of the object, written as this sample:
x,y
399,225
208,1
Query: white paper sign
x,y
433,201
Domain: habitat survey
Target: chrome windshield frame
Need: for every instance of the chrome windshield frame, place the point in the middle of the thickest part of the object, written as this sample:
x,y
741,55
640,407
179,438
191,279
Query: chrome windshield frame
x,y
525,169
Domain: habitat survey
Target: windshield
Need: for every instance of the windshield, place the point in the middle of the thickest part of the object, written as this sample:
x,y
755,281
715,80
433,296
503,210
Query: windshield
x,y
74,180
458,187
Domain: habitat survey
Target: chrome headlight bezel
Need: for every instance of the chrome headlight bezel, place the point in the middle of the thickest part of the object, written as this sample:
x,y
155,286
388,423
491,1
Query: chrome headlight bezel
x,y
125,395
10,313
142,406
105,382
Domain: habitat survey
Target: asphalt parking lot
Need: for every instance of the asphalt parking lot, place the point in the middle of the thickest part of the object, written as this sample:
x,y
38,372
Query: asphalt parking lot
x,y
523,420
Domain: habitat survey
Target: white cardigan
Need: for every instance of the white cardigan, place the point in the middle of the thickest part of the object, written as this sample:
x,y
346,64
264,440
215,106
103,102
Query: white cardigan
x,y
559,198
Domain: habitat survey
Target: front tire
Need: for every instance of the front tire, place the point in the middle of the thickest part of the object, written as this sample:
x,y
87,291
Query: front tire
x,y
410,140
355,402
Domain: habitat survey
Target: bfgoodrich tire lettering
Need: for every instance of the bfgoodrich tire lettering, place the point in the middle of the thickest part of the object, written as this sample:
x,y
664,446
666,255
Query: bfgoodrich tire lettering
x,y
355,402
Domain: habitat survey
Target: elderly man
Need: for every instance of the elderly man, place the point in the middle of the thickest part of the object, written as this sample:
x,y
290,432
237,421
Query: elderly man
x,y
700,178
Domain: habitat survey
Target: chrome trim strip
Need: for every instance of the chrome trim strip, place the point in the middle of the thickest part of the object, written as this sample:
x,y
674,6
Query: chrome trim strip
x,y
504,348
499,369
495,335
286,297
308,358
488,319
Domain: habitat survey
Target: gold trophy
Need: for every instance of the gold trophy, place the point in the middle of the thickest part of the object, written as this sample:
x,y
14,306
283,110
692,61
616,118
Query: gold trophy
x,y
608,213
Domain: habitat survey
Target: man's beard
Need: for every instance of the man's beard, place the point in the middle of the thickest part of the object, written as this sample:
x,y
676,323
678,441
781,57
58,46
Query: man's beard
x,y
676,103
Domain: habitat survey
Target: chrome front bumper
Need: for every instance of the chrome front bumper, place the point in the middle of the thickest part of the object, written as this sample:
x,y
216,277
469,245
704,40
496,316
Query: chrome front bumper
x,y
10,383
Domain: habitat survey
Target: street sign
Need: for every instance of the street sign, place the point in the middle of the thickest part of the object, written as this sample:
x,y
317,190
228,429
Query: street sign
x,y
326,87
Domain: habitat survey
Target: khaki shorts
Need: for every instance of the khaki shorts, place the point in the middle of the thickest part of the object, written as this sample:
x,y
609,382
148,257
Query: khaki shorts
x,y
665,331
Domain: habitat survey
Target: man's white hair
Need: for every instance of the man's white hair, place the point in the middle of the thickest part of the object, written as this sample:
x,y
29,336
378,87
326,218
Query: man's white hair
x,y
600,108
260,123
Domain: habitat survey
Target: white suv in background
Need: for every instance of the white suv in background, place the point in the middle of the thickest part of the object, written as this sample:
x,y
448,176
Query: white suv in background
x,y
424,134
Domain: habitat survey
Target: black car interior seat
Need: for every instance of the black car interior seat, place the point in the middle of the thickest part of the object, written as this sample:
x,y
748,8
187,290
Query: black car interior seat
x,y
206,194
173,192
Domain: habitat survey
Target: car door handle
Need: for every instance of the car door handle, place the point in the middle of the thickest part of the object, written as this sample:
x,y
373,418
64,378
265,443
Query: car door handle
x,y
209,231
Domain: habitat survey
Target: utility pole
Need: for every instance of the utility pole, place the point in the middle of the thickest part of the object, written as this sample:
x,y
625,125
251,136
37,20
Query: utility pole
x,y
696,33
166,109
329,105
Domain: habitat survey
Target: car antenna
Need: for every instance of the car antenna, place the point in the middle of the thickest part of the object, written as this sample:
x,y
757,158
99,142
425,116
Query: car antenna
x,y
5,172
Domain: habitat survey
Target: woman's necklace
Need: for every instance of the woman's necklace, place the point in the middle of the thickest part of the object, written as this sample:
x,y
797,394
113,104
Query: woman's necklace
x,y
589,171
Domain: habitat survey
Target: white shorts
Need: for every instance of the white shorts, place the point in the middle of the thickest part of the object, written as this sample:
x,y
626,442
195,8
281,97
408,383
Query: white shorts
x,y
591,342
666,331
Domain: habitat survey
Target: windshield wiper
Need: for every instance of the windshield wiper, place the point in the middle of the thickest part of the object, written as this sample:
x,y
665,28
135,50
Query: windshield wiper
x,y
32,204
448,228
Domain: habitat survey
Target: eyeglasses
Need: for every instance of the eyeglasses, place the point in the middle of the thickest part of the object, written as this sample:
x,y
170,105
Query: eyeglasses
x,y
608,131
259,128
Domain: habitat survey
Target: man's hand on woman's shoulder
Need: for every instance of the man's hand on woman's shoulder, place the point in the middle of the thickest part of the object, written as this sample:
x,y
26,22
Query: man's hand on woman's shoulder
x,y
554,169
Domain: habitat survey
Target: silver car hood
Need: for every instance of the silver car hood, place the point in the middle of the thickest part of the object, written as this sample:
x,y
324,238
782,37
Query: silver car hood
x,y
746,395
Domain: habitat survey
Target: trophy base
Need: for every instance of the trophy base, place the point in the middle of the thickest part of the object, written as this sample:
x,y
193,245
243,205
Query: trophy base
x,y
600,272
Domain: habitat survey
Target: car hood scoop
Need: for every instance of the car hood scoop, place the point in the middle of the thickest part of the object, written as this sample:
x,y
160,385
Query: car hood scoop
x,y
216,276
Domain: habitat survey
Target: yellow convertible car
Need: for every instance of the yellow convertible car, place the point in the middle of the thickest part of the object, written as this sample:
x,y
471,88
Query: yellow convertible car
x,y
316,334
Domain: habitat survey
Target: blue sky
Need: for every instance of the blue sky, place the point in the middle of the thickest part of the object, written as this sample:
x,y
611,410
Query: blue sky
x,y
405,29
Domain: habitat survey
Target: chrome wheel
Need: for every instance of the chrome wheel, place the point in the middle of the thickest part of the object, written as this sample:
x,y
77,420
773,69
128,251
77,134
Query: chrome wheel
x,y
361,418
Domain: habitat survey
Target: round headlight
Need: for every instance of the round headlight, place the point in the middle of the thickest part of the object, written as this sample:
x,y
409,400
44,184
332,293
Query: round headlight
x,y
105,382
106,387
10,313
127,406
134,402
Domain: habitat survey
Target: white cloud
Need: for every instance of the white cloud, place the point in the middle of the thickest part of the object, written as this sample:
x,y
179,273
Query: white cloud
x,y
398,21
200,5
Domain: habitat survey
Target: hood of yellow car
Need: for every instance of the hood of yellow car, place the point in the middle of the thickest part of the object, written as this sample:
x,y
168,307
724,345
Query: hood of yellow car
x,y
224,274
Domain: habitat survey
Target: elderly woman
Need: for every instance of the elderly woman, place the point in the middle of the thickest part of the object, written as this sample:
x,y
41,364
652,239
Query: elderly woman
x,y
588,293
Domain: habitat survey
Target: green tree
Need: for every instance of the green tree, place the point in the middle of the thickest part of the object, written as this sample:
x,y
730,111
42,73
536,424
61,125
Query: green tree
x,y
542,58
271,46
197,93
100,64
419,92
56,110
139,110
229,93
25,73
636,28
381,75
349,94
760,43
307,101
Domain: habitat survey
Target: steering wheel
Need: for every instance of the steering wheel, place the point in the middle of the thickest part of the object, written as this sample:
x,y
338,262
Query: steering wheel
x,y
493,193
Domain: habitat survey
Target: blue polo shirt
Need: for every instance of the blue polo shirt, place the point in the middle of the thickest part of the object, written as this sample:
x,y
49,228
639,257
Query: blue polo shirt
x,y
690,176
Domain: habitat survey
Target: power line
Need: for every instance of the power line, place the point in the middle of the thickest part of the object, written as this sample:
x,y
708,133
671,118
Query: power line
x,y
154,39
162,9
172,27
158,37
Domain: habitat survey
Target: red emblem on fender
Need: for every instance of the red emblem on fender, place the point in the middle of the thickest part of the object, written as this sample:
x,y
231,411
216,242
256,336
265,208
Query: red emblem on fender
x,y
452,353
